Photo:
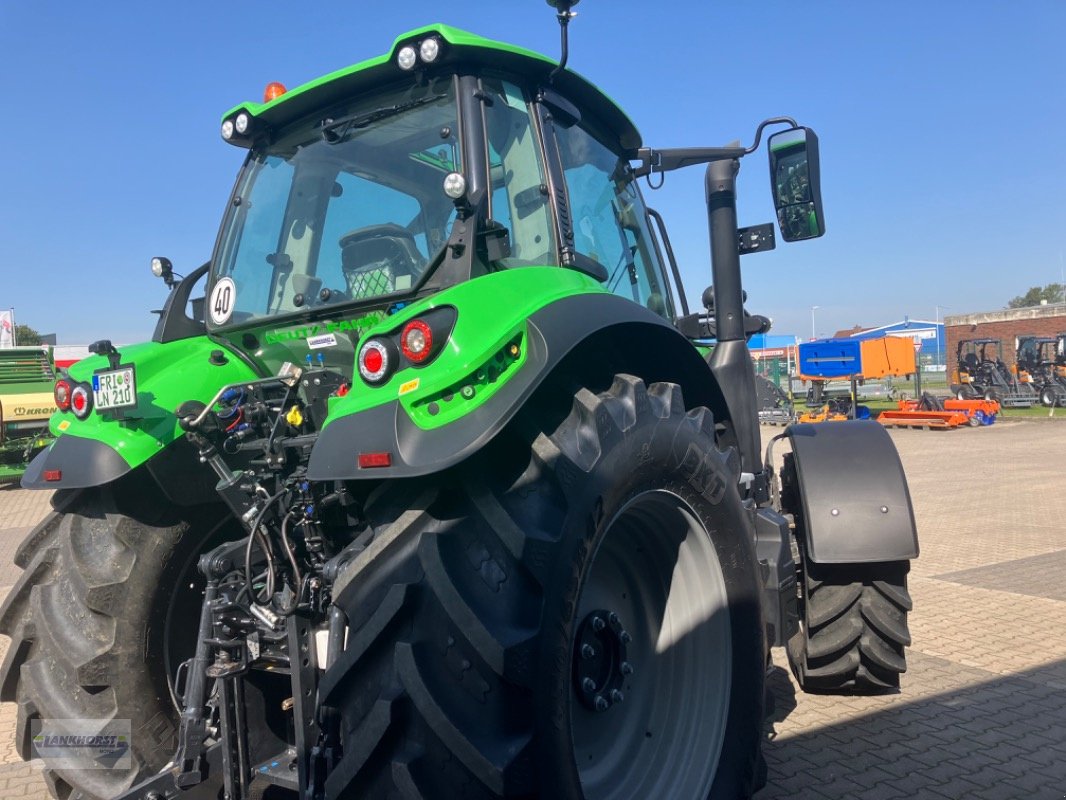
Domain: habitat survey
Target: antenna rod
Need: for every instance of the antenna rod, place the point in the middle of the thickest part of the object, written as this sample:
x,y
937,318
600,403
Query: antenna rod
x,y
564,16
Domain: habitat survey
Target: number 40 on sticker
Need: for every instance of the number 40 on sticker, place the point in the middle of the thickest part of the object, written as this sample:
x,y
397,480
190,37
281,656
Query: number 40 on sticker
x,y
223,299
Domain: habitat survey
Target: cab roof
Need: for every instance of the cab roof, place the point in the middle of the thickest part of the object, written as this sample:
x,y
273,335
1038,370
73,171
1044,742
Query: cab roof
x,y
460,48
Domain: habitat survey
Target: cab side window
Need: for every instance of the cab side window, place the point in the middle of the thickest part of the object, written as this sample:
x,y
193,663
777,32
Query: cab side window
x,y
610,220
518,200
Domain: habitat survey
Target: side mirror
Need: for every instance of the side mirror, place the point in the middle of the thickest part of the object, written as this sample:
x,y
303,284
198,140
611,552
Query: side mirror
x,y
796,184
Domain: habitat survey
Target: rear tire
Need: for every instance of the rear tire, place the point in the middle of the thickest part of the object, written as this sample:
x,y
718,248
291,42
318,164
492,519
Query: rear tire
x,y
89,624
1048,398
465,670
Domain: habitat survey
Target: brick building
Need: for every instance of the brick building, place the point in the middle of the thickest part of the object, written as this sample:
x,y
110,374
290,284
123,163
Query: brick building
x,y
1006,325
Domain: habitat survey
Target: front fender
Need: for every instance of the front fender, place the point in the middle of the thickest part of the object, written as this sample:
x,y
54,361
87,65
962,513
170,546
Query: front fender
x,y
101,448
851,494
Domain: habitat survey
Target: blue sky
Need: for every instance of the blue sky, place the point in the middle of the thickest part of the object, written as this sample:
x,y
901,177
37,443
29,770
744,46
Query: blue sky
x,y
940,128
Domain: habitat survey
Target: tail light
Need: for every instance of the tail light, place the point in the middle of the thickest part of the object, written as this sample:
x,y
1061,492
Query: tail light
x,y
416,341
81,401
377,360
61,392
414,344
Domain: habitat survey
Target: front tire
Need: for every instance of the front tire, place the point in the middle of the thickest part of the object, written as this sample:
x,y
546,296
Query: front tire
x,y
853,628
573,613
89,620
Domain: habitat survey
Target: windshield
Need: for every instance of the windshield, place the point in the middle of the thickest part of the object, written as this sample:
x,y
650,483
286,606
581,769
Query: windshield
x,y
350,208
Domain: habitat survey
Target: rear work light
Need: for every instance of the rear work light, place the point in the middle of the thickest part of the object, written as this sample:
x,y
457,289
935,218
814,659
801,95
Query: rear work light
x,y
81,401
62,395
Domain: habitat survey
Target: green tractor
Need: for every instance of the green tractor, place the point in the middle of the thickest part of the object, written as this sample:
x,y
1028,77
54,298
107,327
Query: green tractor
x,y
27,377
432,493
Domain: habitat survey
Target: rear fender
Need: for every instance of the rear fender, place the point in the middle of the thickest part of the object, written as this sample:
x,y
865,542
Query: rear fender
x,y
577,321
101,448
850,499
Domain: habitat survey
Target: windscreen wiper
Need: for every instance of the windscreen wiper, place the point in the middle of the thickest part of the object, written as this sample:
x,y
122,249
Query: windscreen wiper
x,y
336,130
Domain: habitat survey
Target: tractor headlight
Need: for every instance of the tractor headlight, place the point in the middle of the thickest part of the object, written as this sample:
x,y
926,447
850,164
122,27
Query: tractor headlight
x,y
454,185
407,57
429,49
242,122
227,129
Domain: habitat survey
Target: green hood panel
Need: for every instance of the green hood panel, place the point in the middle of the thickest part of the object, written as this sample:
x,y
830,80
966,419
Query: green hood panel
x,y
167,375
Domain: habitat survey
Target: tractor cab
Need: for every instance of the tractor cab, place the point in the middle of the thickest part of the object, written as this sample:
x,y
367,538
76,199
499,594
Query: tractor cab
x,y
450,158
1035,353
979,359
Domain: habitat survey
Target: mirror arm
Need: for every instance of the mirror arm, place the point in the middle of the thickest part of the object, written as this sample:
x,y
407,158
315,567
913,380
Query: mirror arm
x,y
667,160
764,124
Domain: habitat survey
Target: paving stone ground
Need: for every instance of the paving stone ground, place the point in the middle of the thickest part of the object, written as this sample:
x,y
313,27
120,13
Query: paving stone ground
x,y
982,710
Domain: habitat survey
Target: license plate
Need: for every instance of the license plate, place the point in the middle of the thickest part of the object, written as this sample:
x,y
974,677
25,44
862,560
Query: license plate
x,y
114,388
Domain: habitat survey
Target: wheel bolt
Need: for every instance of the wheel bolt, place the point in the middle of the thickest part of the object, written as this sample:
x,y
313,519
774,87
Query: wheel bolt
x,y
625,637
617,696
598,624
601,703
588,685
627,668
612,618
588,651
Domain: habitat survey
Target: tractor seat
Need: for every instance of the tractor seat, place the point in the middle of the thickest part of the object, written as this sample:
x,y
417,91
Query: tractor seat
x,y
970,362
379,259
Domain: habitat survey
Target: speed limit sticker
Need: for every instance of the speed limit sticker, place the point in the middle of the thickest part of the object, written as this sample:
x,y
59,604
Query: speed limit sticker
x,y
223,299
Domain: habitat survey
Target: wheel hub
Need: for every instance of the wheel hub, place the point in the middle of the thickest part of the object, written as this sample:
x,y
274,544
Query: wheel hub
x,y
601,664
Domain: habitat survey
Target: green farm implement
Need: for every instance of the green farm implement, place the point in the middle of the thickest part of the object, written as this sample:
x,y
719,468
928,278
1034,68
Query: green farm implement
x,y
26,403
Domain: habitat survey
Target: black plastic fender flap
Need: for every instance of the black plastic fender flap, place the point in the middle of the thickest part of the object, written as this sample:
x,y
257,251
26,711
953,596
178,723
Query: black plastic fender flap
x,y
777,576
77,463
855,504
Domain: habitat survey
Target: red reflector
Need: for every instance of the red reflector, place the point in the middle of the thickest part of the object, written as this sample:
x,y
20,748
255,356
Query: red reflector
x,y
78,400
53,474
343,390
368,460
